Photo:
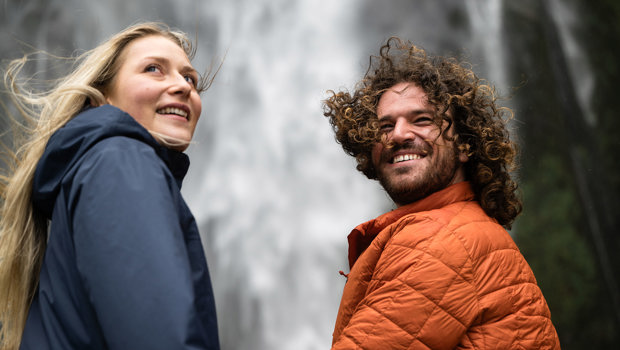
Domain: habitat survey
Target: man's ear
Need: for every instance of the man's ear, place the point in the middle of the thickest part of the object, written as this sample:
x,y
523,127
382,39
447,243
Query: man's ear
x,y
464,152
463,157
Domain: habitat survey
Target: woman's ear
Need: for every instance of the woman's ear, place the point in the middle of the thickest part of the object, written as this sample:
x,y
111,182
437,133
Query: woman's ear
x,y
105,89
107,98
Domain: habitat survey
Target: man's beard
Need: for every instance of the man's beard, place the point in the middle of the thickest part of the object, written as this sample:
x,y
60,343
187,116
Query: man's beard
x,y
437,176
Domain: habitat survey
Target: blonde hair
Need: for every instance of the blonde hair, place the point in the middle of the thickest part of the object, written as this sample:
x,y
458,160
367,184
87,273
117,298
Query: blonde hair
x,y
23,232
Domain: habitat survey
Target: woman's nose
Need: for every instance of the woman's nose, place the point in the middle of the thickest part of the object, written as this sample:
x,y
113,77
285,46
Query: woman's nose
x,y
180,85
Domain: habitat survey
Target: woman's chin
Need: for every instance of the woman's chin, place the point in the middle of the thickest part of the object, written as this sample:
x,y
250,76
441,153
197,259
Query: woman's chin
x,y
174,142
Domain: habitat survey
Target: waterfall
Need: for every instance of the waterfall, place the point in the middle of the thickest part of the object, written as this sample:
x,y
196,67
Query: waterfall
x,y
565,20
486,22
277,196
274,195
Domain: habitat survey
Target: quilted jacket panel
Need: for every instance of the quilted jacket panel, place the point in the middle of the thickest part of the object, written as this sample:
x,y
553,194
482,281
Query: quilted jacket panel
x,y
440,274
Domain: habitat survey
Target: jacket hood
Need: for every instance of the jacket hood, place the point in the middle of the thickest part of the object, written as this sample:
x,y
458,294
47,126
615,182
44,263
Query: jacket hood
x,y
67,146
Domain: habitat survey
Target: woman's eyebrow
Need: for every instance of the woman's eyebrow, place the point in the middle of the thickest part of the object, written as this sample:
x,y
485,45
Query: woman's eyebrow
x,y
164,60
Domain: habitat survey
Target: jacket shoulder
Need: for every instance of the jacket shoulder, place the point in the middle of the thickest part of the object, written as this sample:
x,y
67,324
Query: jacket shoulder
x,y
454,234
478,233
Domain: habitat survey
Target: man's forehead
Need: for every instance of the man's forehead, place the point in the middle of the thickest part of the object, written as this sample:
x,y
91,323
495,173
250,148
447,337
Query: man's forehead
x,y
404,96
407,90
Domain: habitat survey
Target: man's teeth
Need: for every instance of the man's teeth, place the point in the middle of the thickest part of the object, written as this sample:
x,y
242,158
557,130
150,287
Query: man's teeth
x,y
172,110
405,157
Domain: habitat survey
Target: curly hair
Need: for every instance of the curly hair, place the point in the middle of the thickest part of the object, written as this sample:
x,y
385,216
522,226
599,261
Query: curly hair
x,y
460,97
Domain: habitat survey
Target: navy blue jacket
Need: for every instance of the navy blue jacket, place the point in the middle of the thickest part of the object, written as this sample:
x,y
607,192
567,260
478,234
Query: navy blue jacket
x,y
124,266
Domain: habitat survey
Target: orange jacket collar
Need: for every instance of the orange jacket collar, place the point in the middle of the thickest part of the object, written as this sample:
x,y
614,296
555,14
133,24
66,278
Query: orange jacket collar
x,y
361,237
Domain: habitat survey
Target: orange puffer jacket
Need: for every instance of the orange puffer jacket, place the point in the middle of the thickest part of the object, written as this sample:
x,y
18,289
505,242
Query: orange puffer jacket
x,y
440,274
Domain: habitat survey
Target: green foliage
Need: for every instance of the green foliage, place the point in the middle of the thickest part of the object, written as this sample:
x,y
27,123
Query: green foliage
x,y
569,168
549,235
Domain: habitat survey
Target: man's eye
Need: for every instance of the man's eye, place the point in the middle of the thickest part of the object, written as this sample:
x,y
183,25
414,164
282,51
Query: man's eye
x,y
424,120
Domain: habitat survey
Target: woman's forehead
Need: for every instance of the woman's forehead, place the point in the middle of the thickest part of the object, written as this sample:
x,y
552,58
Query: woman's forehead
x,y
156,46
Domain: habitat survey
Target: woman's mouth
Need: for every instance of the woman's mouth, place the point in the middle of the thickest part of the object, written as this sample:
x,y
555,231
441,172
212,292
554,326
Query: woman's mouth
x,y
175,111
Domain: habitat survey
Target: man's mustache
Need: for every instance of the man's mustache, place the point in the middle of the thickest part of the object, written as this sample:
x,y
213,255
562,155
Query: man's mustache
x,y
419,148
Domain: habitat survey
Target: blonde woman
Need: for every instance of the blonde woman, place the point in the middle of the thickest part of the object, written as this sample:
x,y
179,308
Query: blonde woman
x,y
98,248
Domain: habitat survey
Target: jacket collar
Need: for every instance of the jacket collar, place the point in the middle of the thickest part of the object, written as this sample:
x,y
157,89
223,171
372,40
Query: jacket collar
x,y
361,236
70,143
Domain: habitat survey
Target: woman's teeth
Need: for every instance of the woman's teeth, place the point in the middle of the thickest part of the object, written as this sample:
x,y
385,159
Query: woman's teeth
x,y
172,110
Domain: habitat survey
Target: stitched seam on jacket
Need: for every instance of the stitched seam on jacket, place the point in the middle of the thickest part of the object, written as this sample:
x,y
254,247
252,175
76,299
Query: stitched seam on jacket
x,y
436,304
483,257
384,316
425,250
474,270
479,295
451,228
451,231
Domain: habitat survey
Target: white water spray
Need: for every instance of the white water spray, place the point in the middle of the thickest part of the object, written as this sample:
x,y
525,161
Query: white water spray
x,y
273,193
277,196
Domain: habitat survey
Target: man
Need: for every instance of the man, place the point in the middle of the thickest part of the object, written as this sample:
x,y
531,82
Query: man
x,y
440,271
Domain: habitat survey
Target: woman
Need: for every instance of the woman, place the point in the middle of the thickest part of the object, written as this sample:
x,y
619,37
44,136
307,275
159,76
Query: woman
x,y
98,250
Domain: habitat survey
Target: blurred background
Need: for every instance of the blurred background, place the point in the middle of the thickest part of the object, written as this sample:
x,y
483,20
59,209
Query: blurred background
x,y
275,196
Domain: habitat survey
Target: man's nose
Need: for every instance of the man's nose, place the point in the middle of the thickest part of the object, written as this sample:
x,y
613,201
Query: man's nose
x,y
402,132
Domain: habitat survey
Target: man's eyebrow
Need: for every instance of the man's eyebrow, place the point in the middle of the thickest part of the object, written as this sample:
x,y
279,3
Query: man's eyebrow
x,y
413,112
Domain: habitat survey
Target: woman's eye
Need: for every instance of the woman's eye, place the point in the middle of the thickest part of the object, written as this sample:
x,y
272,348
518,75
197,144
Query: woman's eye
x,y
190,79
152,68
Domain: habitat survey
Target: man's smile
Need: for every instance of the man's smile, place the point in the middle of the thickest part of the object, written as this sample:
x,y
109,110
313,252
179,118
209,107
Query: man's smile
x,y
405,157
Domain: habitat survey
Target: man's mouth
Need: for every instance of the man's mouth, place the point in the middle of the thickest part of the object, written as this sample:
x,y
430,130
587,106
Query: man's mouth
x,y
175,111
405,157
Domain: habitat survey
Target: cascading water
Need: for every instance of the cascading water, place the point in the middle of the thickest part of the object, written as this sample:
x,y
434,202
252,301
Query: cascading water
x,y
277,196
486,23
273,193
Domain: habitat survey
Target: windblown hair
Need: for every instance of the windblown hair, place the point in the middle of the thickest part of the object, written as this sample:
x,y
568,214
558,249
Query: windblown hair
x,y
23,232
466,102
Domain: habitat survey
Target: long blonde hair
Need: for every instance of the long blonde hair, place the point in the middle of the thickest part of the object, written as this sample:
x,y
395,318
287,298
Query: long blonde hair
x,y
23,232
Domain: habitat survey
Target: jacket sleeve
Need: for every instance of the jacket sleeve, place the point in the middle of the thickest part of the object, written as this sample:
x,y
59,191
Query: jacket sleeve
x,y
130,249
419,297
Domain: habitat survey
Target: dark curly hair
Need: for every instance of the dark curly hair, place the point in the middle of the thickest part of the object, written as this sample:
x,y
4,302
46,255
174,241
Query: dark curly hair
x,y
466,102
